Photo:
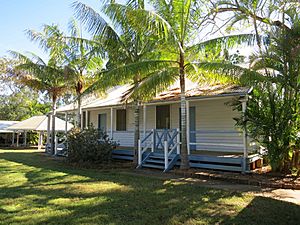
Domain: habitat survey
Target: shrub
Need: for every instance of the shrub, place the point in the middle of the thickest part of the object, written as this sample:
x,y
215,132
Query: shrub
x,y
89,145
271,121
32,138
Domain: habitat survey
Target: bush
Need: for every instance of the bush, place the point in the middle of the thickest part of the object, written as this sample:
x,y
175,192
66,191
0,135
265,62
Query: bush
x,y
89,145
272,121
32,138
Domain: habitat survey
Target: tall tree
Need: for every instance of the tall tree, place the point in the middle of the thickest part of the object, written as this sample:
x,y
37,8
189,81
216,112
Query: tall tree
x,y
83,58
273,112
80,56
21,104
45,77
175,21
18,102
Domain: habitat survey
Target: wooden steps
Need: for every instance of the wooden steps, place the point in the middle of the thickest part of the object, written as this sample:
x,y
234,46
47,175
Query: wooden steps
x,y
122,154
153,166
157,161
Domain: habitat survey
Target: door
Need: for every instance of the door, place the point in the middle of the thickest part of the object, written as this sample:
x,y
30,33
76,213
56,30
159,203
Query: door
x,y
162,117
192,123
102,121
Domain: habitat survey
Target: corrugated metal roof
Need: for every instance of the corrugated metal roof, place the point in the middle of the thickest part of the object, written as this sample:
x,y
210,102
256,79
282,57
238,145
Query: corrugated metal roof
x,y
204,90
73,106
6,123
114,95
39,123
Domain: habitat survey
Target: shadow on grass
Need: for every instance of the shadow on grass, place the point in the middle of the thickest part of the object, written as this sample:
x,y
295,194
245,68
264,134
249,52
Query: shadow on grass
x,y
54,193
262,210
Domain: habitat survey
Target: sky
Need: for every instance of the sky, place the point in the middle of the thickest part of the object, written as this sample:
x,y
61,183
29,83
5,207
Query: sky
x,y
16,16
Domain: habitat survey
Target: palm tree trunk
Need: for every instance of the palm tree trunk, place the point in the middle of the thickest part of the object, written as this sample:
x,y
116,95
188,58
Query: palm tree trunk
x,y
79,88
184,150
78,116
54,99
136,132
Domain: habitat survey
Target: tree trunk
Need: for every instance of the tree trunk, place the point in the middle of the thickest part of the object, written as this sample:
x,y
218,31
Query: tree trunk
x,y
54,99
184,150
136,132
78,116
79,89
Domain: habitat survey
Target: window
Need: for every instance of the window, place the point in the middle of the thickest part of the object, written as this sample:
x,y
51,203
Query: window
x,y
89,118
163,117
102,121
84,119
121,119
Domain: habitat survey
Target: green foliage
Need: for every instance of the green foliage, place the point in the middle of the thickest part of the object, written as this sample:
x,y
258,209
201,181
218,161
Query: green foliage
x,y
41,76
148,56
89,146
22,104
32,138
271,121
80,57
273,116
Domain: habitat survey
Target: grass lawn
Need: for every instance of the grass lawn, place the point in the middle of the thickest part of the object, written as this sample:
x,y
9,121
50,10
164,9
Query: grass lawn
x,y
35,189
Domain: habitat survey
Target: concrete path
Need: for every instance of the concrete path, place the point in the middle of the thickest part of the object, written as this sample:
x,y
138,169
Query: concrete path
x,y
288,195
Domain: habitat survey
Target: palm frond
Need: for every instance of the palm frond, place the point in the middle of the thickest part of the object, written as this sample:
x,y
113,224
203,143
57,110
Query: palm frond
x,y
125,73
74,29
224,42
243,75
94,22
37,59
151,20
259,64
50,38
152,84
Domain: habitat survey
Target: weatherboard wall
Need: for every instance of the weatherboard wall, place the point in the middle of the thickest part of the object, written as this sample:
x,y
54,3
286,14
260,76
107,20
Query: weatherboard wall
x,y
214,124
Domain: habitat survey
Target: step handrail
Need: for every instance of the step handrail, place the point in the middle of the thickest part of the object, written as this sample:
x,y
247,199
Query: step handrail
x,y
147,136
168,139
143,149
173,148
167,145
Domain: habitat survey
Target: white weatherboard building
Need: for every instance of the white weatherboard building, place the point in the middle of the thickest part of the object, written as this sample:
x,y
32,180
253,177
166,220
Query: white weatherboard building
x,y
6,136
37,124
213,139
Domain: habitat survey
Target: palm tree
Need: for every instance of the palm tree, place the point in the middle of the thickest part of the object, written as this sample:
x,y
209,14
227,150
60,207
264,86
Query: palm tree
x,y
41,76
81,57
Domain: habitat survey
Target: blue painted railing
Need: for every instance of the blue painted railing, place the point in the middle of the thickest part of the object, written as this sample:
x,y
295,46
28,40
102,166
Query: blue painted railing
x,y
167,141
